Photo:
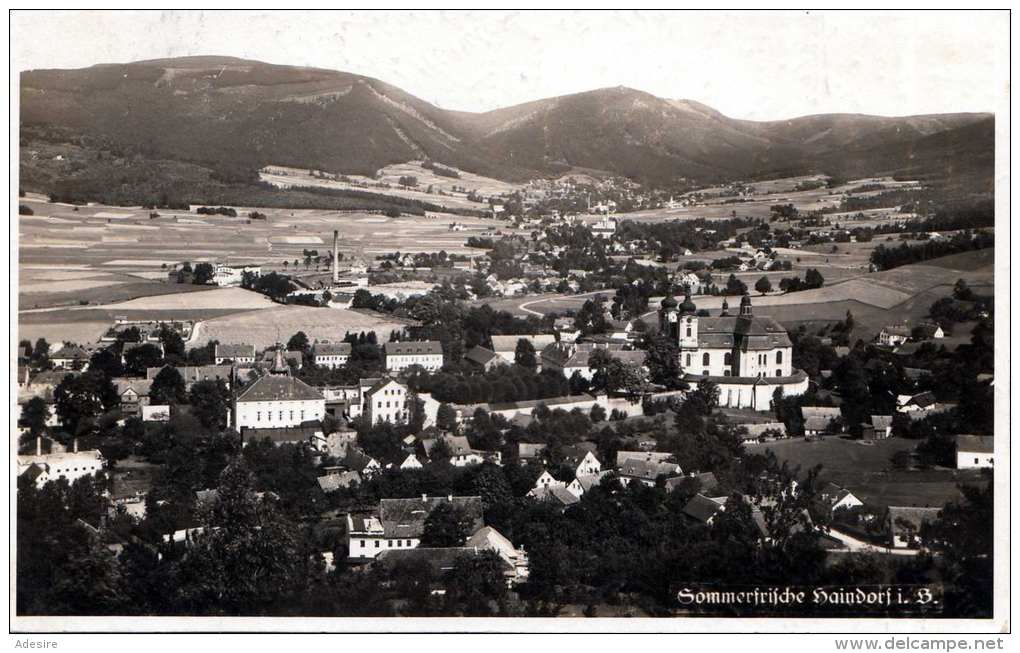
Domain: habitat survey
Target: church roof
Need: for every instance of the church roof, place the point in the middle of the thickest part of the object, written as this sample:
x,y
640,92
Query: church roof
x,y
752,332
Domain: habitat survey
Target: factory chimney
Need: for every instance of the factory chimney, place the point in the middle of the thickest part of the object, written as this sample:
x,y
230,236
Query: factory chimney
x,y
336,257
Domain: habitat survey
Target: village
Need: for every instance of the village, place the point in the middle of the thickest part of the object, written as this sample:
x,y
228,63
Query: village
x,y
577,358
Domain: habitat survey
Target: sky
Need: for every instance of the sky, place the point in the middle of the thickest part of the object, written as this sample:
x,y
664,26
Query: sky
x,y
750,65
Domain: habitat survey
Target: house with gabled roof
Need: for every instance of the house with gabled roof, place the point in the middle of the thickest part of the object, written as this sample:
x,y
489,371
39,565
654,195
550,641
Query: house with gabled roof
x,y
646,472
239,354
704,509
71,357
920,402
819,420
975,451
399,523
482,358
333,481
506,346
386,400
835,498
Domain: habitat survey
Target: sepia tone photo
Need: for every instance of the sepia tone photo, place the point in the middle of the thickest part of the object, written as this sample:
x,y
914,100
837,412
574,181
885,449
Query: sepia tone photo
x,y
539,317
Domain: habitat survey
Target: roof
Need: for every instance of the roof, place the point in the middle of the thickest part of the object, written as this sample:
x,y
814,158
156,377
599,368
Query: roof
x,y
331,349
922,400
375,385
754,332
279,388
356,460
588,481
405,518
651,456
897,330
757,430
509,343
570,354
413,347
881,421
480,355
829,412
457,444
192,374
702,508
975,443
140,386
647,470
558,494
235,351
912,515
333,482
72,352
529,450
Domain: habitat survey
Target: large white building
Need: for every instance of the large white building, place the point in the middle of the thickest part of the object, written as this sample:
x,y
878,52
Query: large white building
x,y
278,401
746,355
402,355
975,451
71,465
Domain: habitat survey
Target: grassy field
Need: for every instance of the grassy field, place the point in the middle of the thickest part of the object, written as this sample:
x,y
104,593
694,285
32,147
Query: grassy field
x,y
268,326
868,472
285,177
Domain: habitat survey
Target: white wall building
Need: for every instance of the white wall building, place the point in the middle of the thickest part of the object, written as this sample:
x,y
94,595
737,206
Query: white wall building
x,y
975,451
331,354
402,355
278,402
71,465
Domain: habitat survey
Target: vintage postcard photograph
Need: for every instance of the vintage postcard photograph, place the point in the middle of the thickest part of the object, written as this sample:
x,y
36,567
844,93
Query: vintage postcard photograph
x,y
509,321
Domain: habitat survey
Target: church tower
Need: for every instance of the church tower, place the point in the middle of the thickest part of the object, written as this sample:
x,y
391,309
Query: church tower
x,y
688,323
745,306
669,317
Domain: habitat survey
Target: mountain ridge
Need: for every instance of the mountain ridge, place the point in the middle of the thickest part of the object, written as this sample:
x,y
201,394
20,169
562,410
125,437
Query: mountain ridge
x,y
233,114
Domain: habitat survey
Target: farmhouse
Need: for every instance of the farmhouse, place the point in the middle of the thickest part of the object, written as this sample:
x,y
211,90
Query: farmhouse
x,y
748,357
903,523
239,354
893,336
71,357
922,402
514,562
975,451
568,358
400,523
703,509
402,355
484,359
331,355
819,420
645,471
274,401
836,497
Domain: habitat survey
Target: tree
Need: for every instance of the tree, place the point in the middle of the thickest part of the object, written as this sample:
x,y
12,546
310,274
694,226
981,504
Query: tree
x,y
813,279
106,362
79,400
34,414
168,388
524,354
446,417
763,285
138,359
210,402
248,558
173,344
446,526
735,286
298,342
662,358
203,274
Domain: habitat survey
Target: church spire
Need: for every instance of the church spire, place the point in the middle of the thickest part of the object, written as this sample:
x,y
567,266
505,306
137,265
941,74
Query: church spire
x,y
745,306
725,308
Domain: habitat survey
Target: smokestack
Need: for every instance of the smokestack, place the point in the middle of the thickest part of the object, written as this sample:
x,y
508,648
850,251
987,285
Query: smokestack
x,y
336,257
38,446
76,445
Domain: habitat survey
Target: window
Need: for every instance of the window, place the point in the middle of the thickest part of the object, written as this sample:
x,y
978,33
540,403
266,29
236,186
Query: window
x,y
704,372
291,417
258,416
377,544
727,358
362,544
688,332
281,415
975,461
779,358
687,360
779,372
705,359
